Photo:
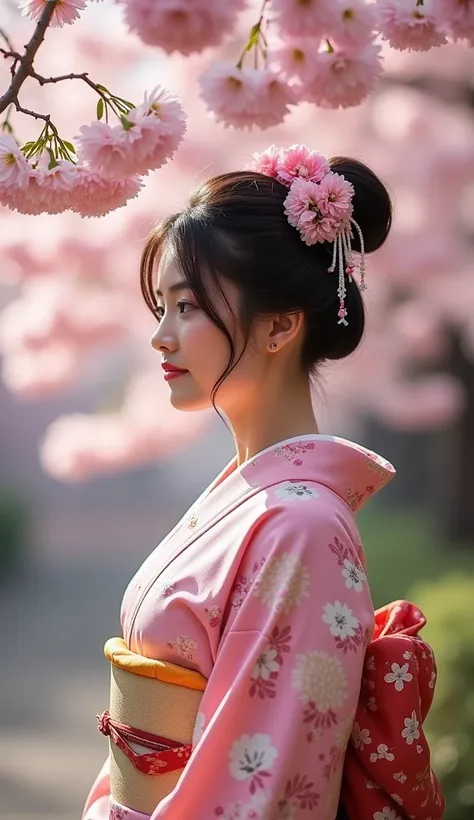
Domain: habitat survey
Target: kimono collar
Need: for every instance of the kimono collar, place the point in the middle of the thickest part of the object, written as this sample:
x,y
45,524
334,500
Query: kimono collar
x,y
353,472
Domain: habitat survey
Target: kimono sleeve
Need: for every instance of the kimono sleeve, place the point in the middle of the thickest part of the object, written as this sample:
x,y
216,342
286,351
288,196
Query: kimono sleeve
x,y
279,706
96,806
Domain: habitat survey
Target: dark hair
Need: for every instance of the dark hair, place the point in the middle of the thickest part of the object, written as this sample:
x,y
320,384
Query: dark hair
x,y
235,229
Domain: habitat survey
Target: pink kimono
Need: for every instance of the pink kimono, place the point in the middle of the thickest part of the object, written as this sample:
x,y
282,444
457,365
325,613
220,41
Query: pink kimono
x,y
261,588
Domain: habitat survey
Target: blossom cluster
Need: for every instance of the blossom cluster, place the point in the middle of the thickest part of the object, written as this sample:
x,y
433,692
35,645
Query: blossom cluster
x,y
319,201
326,52
111,162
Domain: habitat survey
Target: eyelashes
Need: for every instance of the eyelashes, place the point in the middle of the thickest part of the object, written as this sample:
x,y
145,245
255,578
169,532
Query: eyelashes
x,y
183,307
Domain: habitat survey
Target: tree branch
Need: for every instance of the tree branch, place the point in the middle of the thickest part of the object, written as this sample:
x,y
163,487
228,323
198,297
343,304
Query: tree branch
x,y
84,77
5,36
26,61
45,117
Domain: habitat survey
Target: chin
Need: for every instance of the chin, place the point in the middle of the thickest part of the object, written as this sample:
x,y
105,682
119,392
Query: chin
x,y
189,403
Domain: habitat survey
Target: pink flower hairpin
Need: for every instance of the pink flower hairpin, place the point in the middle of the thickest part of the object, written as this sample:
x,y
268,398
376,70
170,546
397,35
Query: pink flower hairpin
x,y
319,205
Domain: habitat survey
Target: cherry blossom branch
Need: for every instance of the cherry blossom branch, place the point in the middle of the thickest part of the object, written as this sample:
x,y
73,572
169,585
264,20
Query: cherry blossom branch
x,y
118,105
26,61
256,34
18,107
83,76
5,37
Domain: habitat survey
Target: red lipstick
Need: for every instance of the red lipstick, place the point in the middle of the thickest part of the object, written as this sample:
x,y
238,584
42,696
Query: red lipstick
x,y
172,372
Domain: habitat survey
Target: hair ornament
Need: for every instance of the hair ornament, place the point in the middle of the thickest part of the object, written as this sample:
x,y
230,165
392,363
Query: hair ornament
x,y
319,205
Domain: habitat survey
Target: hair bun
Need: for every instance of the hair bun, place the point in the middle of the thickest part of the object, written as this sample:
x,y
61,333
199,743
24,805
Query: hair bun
x,y
372,205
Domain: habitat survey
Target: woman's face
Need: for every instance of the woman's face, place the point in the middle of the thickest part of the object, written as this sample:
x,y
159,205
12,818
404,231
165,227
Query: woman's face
x,y
187,339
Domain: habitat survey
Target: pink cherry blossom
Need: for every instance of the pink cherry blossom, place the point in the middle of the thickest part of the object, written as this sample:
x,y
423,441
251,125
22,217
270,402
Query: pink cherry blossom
x,y
335,196
294,59
14,167
79,446
53,311
149,138
275,96
266,162
346,76
303,212
354,23
299,161
65,12
458,17
408,26
184,27
41,373
34,197
242,97
96,195
44,189
54,186
297,19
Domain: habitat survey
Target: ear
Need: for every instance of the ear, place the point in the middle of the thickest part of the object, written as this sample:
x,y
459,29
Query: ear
x,y
283,329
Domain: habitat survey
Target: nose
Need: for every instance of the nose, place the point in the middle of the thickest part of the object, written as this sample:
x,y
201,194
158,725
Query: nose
x,y
162,340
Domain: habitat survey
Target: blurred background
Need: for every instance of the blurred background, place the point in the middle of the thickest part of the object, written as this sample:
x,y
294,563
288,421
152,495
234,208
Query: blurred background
x,y
95,467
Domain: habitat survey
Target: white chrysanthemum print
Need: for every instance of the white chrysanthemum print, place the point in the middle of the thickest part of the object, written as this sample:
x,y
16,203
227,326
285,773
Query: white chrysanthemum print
x,y
283,582
342,623
354,575
399,676
360,737
320,677
295,491
400,777
198,728
432,680
411,732
386,814
266,664
251,754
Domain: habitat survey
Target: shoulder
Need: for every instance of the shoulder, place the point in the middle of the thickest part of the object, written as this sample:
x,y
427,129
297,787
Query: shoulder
x,y
307,524
301,555
306,510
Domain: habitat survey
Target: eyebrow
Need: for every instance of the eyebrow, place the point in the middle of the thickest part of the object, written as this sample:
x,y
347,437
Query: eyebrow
x,y
174,288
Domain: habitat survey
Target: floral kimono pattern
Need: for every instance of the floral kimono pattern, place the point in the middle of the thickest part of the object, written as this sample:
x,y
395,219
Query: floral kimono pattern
x,y
261,587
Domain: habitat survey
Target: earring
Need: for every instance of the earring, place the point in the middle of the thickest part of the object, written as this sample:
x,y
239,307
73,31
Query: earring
x,y
273,346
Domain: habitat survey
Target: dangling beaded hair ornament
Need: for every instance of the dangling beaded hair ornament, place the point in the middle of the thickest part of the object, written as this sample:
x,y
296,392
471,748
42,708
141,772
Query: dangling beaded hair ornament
x,y
319,205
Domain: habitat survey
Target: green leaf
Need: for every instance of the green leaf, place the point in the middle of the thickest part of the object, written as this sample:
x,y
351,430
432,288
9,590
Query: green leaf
x,y
52,160
100,108
69,146
127,125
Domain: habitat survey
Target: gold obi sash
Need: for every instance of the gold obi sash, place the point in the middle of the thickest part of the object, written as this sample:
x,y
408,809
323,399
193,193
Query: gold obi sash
x,y
150,723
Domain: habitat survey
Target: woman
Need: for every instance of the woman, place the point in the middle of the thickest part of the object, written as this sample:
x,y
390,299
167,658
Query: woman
x,y
261,587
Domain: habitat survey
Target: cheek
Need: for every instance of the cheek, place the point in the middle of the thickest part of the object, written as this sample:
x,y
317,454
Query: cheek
x,y
206,350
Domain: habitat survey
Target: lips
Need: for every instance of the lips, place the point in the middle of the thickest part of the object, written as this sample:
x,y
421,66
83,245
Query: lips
x,y
171,368
172,372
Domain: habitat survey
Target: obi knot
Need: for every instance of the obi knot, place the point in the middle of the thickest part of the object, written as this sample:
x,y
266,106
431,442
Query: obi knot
x,y
103,722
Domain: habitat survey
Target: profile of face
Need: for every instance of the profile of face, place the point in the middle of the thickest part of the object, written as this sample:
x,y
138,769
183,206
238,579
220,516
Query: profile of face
x,y
188,339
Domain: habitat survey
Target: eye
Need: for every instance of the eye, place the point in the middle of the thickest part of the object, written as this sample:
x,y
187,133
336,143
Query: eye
x,y
159,311
184,307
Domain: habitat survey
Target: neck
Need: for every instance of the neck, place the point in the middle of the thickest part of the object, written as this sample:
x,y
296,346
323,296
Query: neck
x,y
271,417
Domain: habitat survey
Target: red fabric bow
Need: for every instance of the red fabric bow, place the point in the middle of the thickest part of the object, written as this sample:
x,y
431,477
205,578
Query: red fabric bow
x,y
387,770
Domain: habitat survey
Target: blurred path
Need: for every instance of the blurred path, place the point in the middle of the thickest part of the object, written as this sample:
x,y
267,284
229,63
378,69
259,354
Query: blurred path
x,y
53,681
